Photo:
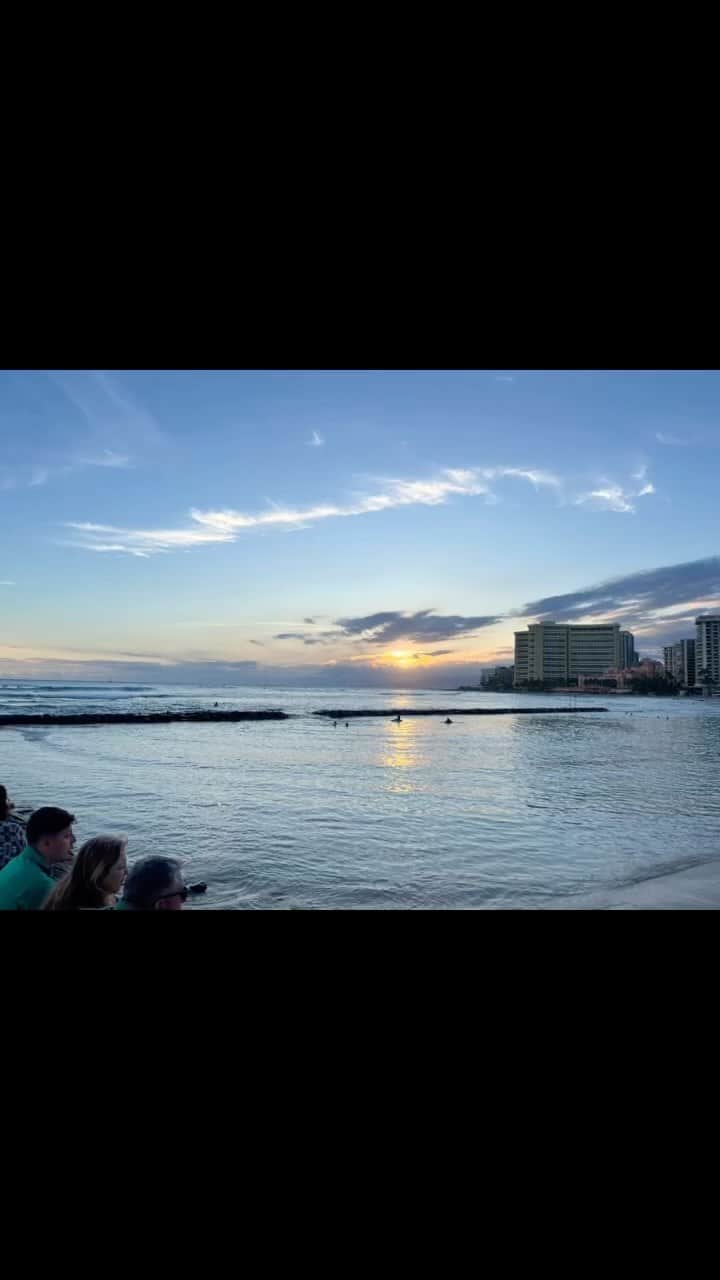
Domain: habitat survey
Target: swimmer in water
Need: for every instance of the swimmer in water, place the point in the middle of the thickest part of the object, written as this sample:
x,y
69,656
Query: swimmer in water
x,y
397,720
448,721
334,724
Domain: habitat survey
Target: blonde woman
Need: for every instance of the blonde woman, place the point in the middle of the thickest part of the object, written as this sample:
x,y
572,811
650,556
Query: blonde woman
x,y
97,876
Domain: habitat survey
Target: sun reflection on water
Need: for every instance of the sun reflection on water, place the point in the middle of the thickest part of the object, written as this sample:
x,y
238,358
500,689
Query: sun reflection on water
x,y
400,752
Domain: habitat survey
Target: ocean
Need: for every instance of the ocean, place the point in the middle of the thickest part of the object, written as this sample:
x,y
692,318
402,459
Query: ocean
x,y
534,811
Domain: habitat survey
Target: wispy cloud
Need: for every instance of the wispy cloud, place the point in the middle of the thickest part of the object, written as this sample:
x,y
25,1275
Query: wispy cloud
x,y
665,437
113,431
6,583
36,476
116,427
316,440
536,478
504,377
466,482
612,497
141,542
108,458
225,525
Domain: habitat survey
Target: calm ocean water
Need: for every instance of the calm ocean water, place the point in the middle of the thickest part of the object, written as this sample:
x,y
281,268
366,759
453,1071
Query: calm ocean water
x,y
507,811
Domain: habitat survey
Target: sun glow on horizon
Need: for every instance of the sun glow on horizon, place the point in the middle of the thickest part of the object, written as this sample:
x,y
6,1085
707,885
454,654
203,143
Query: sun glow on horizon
x,y
403,658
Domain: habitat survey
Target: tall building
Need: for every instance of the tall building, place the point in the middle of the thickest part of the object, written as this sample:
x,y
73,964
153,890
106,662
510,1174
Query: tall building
x,y
560,651
707,646
680,662
628,652
522,669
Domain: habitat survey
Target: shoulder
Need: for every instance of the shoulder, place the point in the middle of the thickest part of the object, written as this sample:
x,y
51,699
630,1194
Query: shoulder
x,y
12,839
12,869
11,878
23,885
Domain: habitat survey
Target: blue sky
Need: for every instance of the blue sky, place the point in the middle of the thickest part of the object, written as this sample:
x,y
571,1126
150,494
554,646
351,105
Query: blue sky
x,y
373,526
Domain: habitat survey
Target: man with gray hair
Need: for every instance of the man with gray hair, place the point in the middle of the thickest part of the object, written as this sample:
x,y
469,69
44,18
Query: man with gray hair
x,y
154,884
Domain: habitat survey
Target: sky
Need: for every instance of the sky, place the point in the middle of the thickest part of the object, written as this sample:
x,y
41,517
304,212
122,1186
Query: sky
x,y
346,527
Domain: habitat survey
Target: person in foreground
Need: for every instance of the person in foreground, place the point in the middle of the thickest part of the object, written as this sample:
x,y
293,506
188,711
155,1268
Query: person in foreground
x,y
12,832
27,879
154,884
97,876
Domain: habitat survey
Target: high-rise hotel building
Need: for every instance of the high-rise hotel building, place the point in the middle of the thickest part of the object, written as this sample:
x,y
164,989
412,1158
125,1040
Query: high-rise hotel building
x,y
680,661
707,646
628,652
562,651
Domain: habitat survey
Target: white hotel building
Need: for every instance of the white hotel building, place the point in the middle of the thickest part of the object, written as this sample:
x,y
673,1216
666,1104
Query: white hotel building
x,y
562,651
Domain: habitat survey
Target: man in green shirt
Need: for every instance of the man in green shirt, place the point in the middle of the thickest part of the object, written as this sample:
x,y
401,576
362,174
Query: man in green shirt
x,y
27,879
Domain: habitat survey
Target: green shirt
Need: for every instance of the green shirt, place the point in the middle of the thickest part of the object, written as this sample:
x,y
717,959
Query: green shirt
x,y
25,882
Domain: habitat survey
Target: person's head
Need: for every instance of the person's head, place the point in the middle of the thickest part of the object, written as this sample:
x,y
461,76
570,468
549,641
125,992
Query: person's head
x,y
155,884
50,832
6,804
97,874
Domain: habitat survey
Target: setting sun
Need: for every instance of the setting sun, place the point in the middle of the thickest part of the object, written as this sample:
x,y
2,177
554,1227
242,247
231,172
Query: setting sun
x,y
402,657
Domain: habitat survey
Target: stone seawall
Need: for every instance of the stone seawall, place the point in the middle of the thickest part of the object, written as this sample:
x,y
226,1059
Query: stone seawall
x,y
460,711
145,717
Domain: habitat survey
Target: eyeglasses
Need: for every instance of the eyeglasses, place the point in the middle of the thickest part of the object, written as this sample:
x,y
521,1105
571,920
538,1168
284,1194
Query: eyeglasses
x,y
177,893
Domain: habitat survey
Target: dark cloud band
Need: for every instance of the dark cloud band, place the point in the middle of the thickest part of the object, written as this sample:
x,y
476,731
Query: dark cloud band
x,y
635,597
386,628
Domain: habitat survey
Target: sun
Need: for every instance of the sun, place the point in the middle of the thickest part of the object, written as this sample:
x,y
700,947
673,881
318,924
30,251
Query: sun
x,y
402,658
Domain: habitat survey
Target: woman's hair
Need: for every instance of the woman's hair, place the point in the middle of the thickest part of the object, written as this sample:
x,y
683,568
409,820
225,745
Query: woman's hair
x,y
3,804
82,886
